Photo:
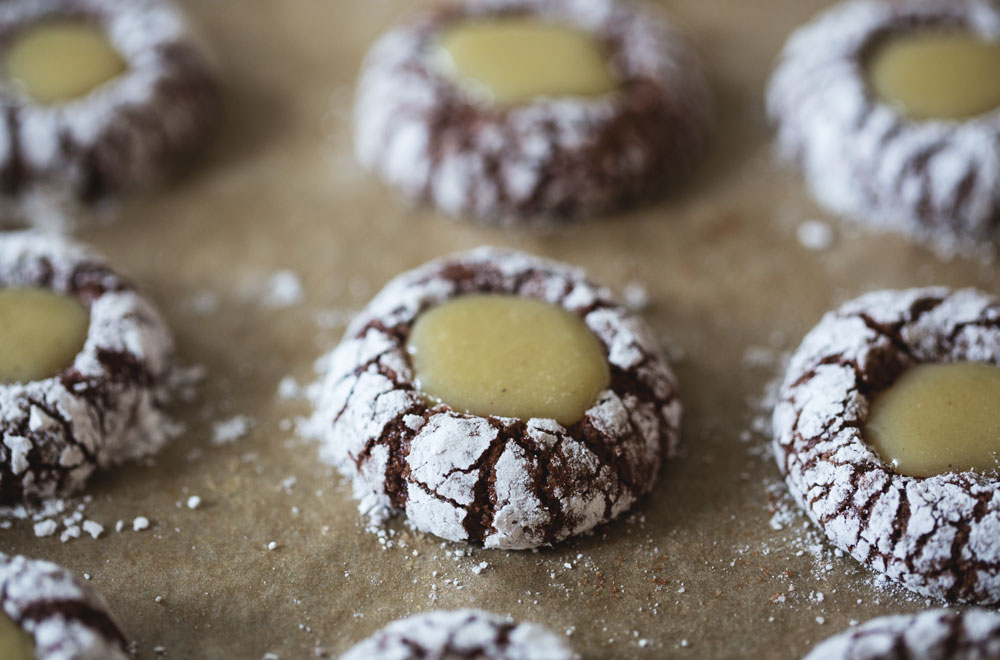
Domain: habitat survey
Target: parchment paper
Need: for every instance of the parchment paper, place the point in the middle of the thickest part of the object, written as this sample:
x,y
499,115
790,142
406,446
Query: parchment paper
x,y
699,570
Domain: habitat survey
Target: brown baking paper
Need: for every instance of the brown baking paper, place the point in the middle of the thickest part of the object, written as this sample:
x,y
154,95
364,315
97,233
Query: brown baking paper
x,y
715,563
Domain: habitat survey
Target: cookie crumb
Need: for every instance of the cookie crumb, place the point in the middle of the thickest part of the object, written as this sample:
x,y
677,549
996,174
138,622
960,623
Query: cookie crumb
x,y
814,235
283,289
95,529
230,430
45,528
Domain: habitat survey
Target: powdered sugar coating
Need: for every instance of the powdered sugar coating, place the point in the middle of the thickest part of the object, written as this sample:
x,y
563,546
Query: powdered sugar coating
x,y
462,634
125,133
931,635
503,482
939,535
862,158
66,619
549,158
107,407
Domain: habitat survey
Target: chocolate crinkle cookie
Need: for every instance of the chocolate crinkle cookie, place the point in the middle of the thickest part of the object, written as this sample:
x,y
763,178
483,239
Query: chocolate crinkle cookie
x,y
51,615
930,169
937,534
104,404
460,635
98,96
556,154
500,481
931,635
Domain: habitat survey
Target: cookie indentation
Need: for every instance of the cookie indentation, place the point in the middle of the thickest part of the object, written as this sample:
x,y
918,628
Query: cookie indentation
x,y
56,61
41,331
508,356
939,418
512,60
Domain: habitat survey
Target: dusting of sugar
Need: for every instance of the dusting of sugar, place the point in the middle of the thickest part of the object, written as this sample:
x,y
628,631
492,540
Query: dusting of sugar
x,y
228,431
814,235
283,289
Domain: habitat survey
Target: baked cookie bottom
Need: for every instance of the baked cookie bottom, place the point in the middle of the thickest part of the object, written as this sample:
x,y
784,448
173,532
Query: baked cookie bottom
x,y
931,635
461,634
545,160
105,408
934,180
500,482
935,535
126,134
65,618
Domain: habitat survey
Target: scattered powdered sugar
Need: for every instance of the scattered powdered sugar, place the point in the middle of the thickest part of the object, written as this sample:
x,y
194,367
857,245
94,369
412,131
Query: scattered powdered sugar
x,y
283,289
814,235
230,430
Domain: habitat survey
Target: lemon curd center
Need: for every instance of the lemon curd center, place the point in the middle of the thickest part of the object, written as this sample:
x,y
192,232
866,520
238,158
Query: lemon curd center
x,y
514,60
938,75
509,357
56,61
41,333
939,418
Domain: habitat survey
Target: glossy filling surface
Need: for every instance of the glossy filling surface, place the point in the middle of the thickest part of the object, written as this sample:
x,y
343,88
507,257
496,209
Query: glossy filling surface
x,y
509,357
938,418
41,332
514,60
56,61
15,644
937,75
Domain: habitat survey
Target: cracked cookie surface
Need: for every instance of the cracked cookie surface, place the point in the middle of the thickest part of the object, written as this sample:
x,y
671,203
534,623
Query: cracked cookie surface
x,y
933,179
936,535
128,132
460,634
65,618
500,482
545,159
931,635
104,408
